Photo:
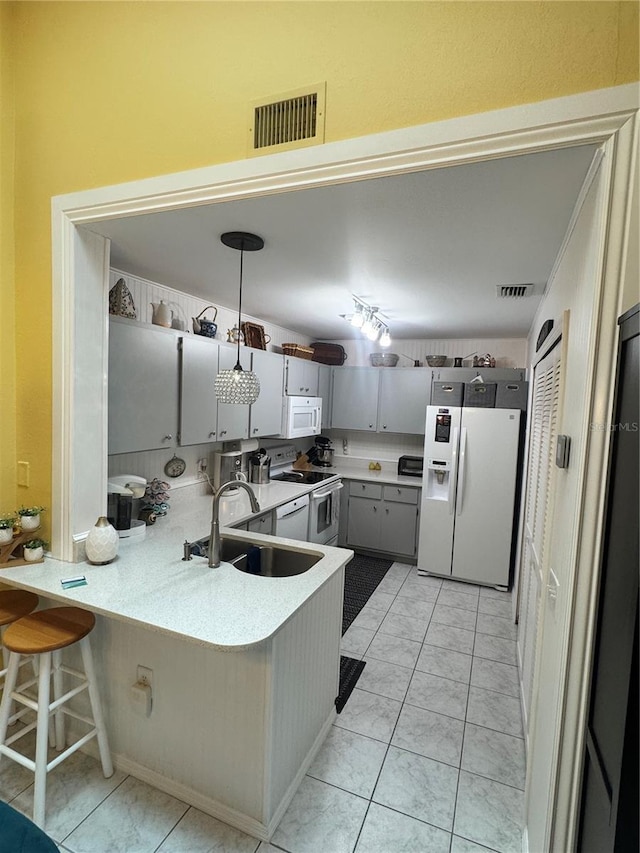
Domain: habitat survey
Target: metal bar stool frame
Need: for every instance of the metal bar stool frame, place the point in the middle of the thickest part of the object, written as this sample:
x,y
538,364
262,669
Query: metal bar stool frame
x,y
50,665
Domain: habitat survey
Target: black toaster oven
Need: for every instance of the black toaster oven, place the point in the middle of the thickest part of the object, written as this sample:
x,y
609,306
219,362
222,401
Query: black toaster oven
x,y
410,466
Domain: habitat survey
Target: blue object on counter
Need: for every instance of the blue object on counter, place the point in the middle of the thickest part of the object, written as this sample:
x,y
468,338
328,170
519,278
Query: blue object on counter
x,y
254,560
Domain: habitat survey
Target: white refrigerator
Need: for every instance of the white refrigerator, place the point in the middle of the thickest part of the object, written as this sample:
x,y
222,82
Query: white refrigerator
x,y
468,493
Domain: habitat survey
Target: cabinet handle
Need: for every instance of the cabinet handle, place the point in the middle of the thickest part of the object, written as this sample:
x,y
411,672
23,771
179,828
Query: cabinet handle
x,y
375,508
223,432
212,435
384,426
167,438
387,510
255,429
370,426
363,485
399,492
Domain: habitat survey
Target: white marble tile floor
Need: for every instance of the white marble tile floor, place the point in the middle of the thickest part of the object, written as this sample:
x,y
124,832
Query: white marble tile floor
x,y
427,754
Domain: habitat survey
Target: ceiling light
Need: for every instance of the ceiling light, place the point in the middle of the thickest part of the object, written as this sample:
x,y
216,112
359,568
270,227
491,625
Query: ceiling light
x,y
385,338
366,319
239,386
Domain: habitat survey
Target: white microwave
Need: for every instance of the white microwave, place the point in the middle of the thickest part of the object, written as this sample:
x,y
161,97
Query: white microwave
x,y
301,416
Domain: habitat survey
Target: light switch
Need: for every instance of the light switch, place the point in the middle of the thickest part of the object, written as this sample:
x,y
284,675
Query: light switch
x,y
23,473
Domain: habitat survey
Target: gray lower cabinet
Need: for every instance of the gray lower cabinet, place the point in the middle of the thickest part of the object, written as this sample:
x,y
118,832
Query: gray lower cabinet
x,y
383,518
143,387
265,415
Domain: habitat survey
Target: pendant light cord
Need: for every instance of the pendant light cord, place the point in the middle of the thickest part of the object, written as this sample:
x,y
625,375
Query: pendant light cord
x,y
238,365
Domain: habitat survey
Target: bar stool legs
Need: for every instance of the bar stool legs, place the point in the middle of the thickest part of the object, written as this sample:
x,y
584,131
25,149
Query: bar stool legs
x,y
45,634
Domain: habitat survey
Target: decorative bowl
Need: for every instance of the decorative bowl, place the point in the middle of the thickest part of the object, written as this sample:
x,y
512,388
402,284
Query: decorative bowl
x,y
436,360
384,359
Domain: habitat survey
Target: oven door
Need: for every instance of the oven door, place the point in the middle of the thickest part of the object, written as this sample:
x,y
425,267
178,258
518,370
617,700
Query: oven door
x,y
324,514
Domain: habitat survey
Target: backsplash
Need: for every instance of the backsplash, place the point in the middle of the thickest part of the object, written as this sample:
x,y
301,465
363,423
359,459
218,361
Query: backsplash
x,y
376,447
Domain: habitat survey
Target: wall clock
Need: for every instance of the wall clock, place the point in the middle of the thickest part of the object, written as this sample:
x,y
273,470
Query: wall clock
x,y
175,466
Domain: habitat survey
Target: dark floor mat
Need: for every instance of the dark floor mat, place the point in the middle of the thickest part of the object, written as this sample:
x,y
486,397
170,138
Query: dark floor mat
x,y
350,672
362,576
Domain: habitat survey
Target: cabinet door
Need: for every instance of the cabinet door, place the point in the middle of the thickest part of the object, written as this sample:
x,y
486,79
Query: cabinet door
x,y
363,529
143,388
265,415
301,376
324,391
404,397
198,403
355,398
398,527
262,524
233,418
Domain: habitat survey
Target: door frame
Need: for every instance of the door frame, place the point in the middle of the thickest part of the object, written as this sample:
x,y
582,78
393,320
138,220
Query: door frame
x,y
607,117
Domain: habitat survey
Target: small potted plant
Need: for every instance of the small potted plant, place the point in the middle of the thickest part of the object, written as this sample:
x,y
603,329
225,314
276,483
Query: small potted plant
x,y
34,550
30,517
6,528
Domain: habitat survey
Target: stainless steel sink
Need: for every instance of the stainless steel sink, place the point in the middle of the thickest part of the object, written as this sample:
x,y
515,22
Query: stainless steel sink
x,y
263,560
271,562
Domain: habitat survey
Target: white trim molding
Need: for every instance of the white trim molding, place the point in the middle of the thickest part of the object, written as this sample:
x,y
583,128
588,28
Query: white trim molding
x,y
606,117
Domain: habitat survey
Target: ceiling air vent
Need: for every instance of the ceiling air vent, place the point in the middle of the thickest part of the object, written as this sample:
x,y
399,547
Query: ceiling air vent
x,y
514,291
292,120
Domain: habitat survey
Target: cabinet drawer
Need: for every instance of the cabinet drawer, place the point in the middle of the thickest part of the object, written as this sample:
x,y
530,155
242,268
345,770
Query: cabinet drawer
x,y
401,494
366,490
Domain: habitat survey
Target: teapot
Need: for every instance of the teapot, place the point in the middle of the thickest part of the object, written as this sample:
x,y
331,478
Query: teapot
x,y
162,314
205,327
484,361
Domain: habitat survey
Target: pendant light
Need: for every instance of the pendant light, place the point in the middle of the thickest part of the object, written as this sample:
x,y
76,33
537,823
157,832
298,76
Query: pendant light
x,y
237,385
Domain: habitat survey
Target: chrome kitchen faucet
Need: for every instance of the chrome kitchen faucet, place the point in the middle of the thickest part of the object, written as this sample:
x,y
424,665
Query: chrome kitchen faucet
x,y
214,539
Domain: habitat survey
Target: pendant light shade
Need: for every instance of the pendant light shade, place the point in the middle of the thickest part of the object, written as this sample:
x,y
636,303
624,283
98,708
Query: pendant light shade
x,y
239,386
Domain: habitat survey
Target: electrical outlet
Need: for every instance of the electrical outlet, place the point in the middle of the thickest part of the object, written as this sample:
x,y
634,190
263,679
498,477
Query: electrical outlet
x,y
202,467
145,675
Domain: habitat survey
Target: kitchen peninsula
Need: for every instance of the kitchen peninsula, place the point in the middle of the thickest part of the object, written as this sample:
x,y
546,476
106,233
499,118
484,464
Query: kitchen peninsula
x,y
245,668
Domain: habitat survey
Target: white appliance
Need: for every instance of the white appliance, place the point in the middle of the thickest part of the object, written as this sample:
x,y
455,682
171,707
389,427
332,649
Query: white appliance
x,y
468,493
324,514
301,416
292,519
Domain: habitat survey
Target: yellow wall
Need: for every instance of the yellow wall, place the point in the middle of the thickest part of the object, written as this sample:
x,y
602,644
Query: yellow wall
x,y
110,92
7,289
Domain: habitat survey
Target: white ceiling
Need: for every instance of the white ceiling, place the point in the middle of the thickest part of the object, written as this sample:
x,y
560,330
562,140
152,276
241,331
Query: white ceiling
x,y
428,248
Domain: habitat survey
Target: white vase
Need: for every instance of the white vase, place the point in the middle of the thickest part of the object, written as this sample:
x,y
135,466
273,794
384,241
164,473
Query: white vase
x,y
33,554
102,542
30,522
6,534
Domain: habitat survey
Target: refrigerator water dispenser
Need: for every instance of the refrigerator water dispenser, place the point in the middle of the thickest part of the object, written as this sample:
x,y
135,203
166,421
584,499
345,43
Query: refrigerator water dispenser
x,y
438,474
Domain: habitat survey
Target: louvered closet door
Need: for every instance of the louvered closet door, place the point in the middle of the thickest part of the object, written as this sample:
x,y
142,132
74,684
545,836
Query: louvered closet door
x,y
538,509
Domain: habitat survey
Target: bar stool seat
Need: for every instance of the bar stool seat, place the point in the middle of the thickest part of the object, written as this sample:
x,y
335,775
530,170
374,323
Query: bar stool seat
x,y
14,604
44,634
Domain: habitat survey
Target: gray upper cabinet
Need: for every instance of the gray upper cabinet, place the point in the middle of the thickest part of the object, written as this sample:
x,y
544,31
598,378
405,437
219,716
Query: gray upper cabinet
x,y
233,418
489,374
143,387
324,391
355,398
198,403
265,415
404,397
301,377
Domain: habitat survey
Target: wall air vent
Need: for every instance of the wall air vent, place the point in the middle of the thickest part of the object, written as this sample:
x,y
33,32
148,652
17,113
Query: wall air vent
x,y
514,291
292,120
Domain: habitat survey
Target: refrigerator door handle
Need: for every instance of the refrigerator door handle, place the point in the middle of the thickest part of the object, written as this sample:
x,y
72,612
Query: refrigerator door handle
x,y
463,453
454,471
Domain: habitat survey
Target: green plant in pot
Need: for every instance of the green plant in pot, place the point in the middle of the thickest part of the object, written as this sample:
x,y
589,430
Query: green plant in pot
x,y
30,517
6,528
34,549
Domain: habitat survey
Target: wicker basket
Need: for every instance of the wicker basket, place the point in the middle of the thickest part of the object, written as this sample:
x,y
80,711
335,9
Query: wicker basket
x,y
298,351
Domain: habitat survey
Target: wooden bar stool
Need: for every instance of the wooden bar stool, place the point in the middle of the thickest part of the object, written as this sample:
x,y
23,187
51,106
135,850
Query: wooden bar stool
x,y
45,634
14,604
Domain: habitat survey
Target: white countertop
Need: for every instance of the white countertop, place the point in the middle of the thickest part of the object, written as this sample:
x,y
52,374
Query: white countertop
x,y
148,584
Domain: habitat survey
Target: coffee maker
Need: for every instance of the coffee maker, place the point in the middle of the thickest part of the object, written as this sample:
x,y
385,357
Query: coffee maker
x,y
229,465
122,491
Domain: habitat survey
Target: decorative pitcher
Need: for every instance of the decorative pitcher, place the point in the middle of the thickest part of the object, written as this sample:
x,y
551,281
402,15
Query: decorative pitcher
x,y
162,314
